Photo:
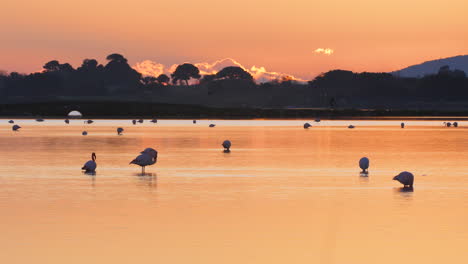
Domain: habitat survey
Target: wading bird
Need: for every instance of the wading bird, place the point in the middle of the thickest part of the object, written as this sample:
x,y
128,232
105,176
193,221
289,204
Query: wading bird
x,y
405,178
364,164
11,121
194,121
90,165
148,157
140,121
226,145
212,125
350,126
154,121
89,121
119,131
402,125
40,120
67,121
84,133
307,125
455,124
134,121
15,127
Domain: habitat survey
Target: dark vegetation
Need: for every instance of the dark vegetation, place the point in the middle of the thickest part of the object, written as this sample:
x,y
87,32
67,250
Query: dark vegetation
x,y
116,89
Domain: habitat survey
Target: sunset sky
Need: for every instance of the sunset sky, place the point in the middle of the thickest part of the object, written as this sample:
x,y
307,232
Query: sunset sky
x,y
282,36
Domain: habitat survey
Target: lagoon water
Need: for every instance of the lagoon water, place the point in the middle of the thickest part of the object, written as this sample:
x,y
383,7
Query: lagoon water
x,y
283,195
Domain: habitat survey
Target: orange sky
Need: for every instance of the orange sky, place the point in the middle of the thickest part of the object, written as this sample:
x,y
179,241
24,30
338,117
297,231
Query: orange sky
x,y
279,35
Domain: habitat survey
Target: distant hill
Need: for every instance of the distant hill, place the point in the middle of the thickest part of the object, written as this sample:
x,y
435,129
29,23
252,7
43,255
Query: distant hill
x,y
431,67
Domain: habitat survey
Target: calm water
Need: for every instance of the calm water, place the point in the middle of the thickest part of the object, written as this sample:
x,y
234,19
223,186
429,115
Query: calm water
x,y
283,195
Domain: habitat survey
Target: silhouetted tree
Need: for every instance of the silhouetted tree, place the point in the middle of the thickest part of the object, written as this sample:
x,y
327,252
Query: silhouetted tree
x,y
163,79
234,72
119,76
207,78
184,72
147,80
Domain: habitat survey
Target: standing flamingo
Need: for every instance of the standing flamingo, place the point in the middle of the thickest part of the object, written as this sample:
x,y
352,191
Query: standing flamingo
x,y
148,157
90,165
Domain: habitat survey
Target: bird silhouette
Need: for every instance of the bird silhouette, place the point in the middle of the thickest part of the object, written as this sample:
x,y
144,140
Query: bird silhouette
x,y
364,164
90,165
405,178
226,145
15,127
148,157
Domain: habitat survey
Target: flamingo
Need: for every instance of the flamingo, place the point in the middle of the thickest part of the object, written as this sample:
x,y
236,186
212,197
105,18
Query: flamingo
x,y
226,145
364,164
405,178
119,131
90,165
148,157
307,125
15,127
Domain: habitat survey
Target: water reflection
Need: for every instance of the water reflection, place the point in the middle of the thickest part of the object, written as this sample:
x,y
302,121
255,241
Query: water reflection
x,y
147,179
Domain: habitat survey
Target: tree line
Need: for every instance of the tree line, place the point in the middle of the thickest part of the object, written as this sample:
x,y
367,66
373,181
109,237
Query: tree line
x,y
117,77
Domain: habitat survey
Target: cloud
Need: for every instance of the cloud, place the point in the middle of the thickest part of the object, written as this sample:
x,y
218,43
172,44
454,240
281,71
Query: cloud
x,y
149,68
325,51
260,74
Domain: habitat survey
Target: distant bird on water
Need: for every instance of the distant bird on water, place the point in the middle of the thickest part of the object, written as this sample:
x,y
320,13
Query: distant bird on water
x,y
154,121
307,125
140,121
134,121
226,145
84,133
448,124
119,131
40,120
11,121
364,164
212,125
350,126
90,165
89,121
405,178
455,124
317,120
67,121
148,157
15,127
402,125
194,121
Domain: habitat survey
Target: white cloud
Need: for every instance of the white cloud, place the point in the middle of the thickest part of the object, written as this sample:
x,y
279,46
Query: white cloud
x,y
326,51
260,74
